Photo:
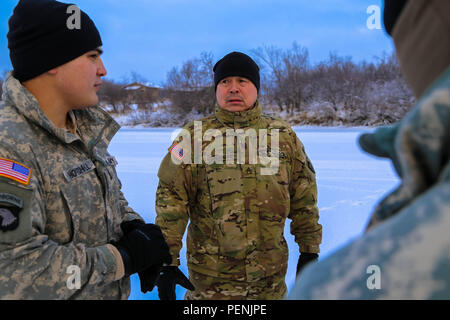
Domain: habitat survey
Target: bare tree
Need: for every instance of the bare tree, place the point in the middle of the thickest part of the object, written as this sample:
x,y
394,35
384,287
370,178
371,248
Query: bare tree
x,y
111,93
136,77
285,75
191,86
334,91
341,82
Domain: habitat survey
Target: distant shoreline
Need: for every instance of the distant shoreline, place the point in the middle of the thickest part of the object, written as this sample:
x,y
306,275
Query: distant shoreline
x,y
295,127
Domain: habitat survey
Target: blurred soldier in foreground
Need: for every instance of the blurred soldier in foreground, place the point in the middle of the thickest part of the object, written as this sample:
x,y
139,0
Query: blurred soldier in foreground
x,y
66,231
405,253
237,208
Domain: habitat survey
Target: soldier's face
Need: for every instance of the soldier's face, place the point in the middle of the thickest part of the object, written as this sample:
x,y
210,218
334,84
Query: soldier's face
x,y
79,80
236,94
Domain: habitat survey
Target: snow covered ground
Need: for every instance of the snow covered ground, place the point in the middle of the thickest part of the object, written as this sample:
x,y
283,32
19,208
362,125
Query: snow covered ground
x,y
350,183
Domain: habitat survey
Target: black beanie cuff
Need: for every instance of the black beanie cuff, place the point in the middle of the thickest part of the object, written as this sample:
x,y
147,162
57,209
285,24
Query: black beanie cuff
x,y
25,69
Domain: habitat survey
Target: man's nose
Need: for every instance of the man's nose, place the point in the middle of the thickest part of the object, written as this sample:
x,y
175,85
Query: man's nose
x,y
234,88
101,70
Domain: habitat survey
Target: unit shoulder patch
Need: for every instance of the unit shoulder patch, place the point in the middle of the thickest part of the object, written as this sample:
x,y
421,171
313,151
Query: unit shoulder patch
x,y
10,206
9,219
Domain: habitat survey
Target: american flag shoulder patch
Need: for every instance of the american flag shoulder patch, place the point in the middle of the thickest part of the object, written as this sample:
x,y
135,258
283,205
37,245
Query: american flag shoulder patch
x,y
177,151
15,171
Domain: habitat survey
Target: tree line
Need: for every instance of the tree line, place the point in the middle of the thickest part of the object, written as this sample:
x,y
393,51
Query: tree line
x,y
336,91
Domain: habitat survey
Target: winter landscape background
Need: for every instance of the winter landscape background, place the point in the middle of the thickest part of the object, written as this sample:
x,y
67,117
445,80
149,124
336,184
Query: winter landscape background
x,y
329,103
323,69
350,183
334,92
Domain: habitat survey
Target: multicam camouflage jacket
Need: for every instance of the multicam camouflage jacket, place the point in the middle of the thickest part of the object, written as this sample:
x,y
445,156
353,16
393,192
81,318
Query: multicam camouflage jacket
x,y
60,204
405,253
237,211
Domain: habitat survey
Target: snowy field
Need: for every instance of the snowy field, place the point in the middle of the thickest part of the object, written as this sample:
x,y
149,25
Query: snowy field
x,y
350,183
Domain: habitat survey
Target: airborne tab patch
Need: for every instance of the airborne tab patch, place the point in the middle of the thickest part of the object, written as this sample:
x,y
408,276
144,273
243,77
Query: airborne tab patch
x,y
11,200
15,171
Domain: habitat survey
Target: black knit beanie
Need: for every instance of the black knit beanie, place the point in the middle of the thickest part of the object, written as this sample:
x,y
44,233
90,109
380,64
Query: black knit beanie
x,y
391,12
39,38
236,64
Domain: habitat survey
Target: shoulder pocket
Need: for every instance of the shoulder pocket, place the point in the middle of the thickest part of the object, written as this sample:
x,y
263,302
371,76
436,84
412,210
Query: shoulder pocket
x,y
167,170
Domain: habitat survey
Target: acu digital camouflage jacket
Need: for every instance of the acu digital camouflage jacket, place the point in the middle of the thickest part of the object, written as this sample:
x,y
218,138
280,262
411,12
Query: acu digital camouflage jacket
x,y
60,203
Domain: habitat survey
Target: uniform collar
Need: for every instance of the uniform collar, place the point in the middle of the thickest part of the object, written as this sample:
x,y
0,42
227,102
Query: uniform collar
x,y
241,119
92,124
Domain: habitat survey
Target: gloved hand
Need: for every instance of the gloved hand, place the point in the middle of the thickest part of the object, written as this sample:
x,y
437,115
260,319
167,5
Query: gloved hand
x,y
148,276
142,247
168,278
304,259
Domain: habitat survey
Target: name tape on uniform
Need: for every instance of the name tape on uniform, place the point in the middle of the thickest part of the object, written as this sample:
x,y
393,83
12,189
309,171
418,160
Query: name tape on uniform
x,y
110,161
79,170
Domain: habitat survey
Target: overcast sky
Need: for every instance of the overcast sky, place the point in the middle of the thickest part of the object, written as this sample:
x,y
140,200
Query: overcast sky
x,y
150,37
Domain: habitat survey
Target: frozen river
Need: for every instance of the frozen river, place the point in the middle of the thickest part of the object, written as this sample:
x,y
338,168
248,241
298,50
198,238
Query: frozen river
x,y
350,183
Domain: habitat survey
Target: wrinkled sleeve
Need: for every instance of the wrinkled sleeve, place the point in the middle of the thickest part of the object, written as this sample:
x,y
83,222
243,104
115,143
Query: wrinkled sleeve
x,y
31,265
304,212
175,188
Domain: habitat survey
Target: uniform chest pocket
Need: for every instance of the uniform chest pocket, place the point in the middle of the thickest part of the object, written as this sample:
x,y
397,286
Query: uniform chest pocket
x,y
225,189
273,191
82,218
59,225
63,225
227,207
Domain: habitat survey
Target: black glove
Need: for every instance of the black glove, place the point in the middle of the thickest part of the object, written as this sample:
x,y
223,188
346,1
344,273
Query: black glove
x,y
304,259
142,247
168,278
148,276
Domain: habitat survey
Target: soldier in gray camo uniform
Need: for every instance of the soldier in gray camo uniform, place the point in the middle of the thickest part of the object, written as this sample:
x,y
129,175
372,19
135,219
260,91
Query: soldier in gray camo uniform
x,y
405,253
237,211
66,230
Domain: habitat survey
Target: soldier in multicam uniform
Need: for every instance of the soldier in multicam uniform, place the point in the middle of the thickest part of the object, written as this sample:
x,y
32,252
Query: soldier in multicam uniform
x,y
235,243
405,253
66,230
